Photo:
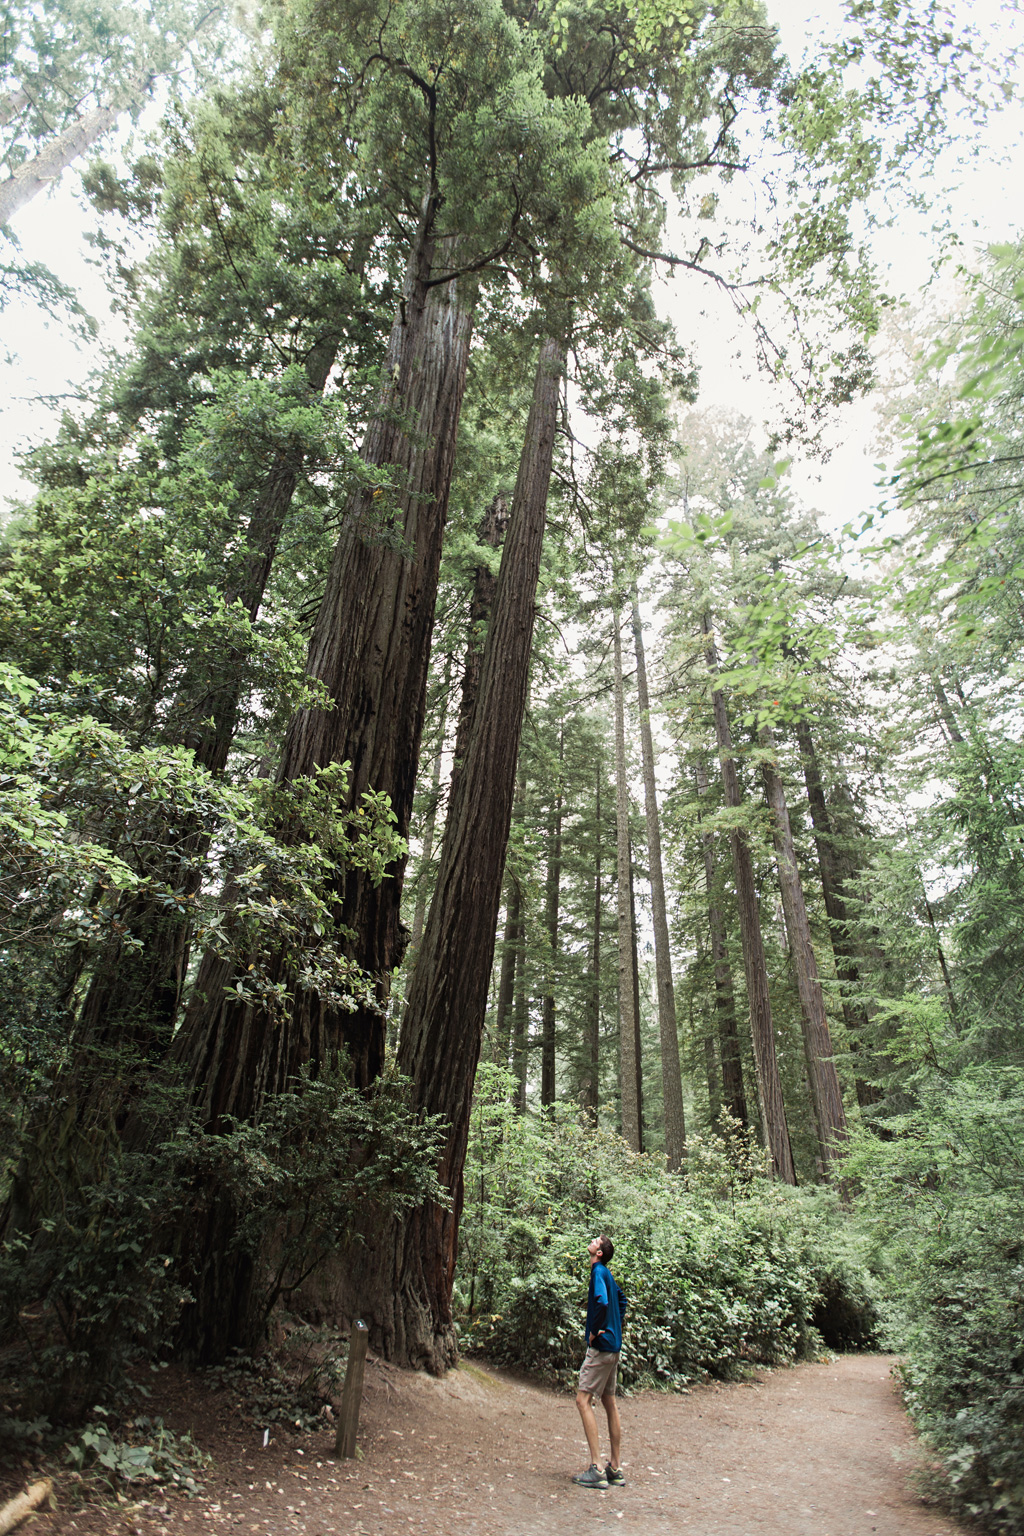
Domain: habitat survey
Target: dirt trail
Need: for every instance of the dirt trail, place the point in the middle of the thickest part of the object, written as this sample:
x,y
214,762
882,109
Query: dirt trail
x,y
820,1450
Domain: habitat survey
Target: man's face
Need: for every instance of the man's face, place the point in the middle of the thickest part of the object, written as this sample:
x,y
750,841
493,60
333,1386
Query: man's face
x,y
594,1248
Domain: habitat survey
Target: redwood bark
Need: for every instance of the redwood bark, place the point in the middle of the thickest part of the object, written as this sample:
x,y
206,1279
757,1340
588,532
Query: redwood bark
x,y
629,1063
406,1289
769,1084
826,1092
668,1028
733,1093
370,648
552,898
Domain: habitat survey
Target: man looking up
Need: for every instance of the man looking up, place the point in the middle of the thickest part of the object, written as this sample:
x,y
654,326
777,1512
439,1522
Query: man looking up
x,y
606,1309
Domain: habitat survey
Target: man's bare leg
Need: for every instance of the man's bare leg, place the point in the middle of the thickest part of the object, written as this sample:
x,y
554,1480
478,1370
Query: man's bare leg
x,y
611,1408
584,1402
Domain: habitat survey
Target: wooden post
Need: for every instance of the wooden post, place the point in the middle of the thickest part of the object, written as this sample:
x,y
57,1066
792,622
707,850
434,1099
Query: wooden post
x,y
352,1392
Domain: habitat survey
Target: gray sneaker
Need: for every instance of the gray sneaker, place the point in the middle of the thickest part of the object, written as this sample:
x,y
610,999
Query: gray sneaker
x,y
615,1475
593,1477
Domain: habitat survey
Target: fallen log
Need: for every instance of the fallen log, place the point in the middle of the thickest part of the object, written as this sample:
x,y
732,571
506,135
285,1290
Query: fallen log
x,y
16,1509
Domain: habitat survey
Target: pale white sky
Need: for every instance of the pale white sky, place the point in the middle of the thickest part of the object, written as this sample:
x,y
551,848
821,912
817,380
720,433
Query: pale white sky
x,y
52,230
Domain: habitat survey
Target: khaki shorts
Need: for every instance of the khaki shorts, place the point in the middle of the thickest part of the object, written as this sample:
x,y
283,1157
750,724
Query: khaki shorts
x,y
597,1374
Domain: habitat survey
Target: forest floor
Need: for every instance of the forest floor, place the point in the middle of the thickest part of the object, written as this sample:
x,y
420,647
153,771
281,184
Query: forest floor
x,y
822,1449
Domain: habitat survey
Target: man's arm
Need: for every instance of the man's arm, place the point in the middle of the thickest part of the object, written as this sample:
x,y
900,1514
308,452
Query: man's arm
x,y
599,1310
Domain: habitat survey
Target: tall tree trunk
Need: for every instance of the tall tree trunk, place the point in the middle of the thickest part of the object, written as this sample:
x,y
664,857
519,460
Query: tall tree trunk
x,y
668,1028
946,710
56,154
592,1038
733,1093
769,1084
406,1290
634,945
552,898
370,648
506,980
520,1023
629,1064
713,1077
826,1092
832,881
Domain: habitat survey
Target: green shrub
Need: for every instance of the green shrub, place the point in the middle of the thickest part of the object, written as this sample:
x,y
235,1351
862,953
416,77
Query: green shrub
x,y
942,1199
723,1268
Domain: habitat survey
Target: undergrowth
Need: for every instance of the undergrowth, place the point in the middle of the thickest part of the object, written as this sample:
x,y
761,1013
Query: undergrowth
x,y
723,1267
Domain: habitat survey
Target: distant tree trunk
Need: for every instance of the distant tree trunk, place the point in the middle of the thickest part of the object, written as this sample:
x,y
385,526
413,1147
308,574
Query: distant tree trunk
x,y
430,829
629,1064
713,1077
826,1092
733,1092
405,1293
520,1023
671,1077
946,710
506,981
591,1044
552,899
769,1084
832,881
634,944
56,154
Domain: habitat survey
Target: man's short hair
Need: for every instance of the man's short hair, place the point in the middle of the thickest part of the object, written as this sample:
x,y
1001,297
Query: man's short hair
x,y
607,1249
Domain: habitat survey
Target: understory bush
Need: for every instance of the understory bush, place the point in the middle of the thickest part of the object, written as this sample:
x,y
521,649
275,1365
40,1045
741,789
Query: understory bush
x,y
101,1277
723,1267
943,1202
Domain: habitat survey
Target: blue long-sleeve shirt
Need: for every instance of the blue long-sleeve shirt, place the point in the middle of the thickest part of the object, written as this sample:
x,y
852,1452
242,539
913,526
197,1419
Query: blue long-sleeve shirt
x,y
606,1310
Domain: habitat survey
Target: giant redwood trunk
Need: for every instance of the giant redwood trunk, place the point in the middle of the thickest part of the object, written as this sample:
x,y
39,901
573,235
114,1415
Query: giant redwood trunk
x,y
406,1285
769,1083
826,1092
491,532
634,945
370,650
671,1079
